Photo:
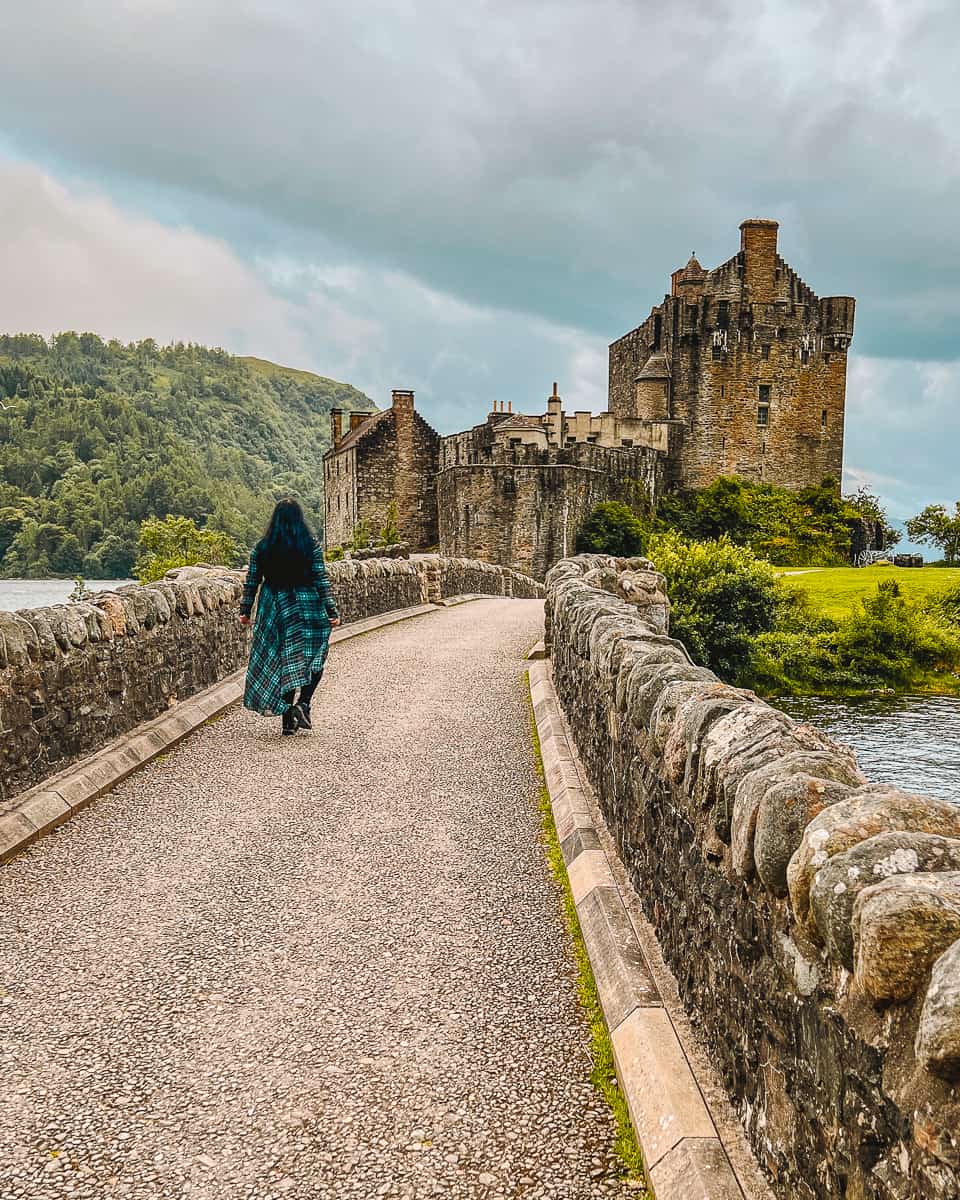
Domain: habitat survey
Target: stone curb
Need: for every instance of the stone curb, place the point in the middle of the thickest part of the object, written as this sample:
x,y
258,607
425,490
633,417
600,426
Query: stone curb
x,y
683,1156
49,804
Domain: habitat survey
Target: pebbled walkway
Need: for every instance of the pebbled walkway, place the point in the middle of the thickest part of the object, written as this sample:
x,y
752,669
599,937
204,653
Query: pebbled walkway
x,y
332,966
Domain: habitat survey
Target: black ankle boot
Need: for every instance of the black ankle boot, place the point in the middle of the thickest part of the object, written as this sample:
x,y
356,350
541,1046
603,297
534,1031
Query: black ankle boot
x,y
289,722
302,711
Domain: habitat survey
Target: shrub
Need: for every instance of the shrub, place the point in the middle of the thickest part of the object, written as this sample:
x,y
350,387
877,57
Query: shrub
x,y
722,596
612,528
886,642
390,533
178,542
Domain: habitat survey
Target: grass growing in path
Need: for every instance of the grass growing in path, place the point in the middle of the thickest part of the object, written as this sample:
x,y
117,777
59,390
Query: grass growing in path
x,y
604,1075
834,591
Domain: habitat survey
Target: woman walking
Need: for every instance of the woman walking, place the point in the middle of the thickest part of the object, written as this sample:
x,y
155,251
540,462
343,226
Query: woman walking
x,y
294,618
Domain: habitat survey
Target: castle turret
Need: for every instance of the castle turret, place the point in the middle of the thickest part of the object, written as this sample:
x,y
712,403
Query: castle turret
x,y
758,246
652,389
837,314
689,280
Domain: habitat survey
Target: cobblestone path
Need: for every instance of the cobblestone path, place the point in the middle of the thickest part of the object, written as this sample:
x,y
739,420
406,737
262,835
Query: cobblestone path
x,y
328,966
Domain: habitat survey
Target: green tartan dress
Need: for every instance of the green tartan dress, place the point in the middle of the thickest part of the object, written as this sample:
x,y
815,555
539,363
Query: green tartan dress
x,y
291,635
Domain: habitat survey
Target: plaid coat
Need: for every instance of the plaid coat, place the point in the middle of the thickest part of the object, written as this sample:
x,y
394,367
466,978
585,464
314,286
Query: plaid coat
x,y
291,635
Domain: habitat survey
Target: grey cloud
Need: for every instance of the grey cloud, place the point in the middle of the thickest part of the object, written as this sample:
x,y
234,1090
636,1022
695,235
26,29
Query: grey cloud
x,y
558,160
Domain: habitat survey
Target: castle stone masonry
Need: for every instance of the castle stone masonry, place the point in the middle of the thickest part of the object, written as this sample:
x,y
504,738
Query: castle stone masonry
x,y
747,364
739,371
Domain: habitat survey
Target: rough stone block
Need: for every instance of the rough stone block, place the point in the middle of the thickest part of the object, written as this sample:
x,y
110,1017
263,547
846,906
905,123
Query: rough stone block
x,y
868,811
901,926
842,878
938,1034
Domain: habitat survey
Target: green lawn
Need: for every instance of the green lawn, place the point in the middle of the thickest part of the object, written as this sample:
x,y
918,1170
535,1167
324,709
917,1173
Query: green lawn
x,y
835,590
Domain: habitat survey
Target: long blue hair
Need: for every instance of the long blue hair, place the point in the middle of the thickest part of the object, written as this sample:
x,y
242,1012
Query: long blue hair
x,y
287,547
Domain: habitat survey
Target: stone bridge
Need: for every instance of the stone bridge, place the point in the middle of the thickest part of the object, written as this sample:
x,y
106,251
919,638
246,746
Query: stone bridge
x,y
337,965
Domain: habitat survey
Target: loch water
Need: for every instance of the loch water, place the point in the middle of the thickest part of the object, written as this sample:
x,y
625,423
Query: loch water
x,y
910,741
36,593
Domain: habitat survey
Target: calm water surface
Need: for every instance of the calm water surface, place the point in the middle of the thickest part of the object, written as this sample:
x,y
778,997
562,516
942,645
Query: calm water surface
x,y
911,741
35,593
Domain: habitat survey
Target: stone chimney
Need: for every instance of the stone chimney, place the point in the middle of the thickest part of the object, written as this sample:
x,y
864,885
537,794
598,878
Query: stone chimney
x,y
402,400
357,418
758,245
406,480
336,418
555,418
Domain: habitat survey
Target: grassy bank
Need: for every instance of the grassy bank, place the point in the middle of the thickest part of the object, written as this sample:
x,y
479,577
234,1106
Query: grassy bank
x,y
834,591
604,1075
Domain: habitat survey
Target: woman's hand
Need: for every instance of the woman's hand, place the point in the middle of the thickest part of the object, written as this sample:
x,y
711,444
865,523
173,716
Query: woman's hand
x,y
244,620
334,622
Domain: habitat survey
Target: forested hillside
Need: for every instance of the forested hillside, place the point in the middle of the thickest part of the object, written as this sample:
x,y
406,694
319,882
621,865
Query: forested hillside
x,y
97,436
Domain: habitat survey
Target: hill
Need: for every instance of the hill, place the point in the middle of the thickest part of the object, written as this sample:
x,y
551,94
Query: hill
x,y
97,436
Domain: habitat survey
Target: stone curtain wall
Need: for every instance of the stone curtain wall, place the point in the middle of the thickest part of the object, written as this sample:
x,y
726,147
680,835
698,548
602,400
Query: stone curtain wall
x,y
526,513
75,676
811,919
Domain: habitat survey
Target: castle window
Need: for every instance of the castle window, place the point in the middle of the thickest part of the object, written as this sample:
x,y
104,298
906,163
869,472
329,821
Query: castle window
x,y
723,313
804,357
657,331
516,442
764,396
826,358
717,352
626,441
823,418
766,352
763,415
723,391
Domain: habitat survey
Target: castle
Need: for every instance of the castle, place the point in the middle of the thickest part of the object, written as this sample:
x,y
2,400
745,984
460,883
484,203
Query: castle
x,y
739,371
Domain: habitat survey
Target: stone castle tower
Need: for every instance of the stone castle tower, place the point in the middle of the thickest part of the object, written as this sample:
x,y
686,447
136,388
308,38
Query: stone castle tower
x,y
747,364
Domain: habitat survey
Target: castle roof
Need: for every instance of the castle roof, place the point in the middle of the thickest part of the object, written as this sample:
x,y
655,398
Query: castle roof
x,y
361,431
518,421
655,367
693,270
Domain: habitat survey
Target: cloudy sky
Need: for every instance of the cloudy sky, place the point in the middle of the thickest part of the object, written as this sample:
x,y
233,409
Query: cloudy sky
x,y
473,200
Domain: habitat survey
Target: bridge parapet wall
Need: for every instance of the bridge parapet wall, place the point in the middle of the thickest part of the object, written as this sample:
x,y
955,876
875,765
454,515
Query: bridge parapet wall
x,y
73,677
812,919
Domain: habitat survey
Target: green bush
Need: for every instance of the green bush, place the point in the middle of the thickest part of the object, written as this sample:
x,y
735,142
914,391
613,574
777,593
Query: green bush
x,y
390,533
612,528
946,604
886,642
722,596
178,542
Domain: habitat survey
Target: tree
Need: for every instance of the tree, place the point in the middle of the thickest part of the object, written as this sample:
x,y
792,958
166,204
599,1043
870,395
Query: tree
x,y
612,528
177,542
870,507
936,527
